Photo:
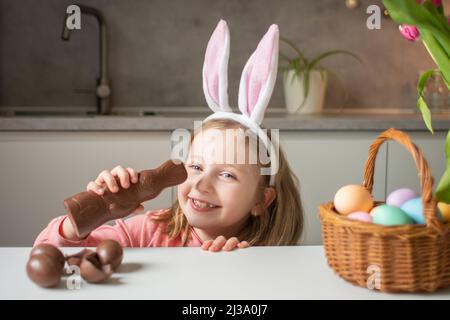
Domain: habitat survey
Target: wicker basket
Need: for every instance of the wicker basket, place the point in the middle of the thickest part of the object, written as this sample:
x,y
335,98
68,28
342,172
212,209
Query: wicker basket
x,y
407,258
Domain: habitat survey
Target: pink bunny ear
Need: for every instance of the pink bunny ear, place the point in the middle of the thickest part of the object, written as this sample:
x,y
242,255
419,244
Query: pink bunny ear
x,y
259,76
215,68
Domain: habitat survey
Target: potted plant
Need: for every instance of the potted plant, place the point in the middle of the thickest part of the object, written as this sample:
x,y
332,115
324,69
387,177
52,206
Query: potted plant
x,y
304,80
426,21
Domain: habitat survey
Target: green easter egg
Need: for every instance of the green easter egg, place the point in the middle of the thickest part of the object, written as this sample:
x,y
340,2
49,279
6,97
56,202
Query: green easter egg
x,y
391,216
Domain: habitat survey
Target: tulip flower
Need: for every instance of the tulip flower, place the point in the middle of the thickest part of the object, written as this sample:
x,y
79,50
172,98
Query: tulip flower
x,y
410,33
437,3
435,36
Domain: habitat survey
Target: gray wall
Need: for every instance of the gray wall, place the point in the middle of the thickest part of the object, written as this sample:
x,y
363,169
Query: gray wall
x,y
157,48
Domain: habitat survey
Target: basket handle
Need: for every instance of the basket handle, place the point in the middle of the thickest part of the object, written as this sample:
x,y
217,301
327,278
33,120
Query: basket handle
x,y
426,180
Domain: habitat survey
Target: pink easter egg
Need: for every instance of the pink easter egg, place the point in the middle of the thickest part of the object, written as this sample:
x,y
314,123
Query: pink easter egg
x,y
360,216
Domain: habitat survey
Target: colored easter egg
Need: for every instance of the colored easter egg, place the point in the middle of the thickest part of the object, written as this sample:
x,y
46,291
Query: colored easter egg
x,y
398,197
391,216
360,216
372,212
414,209
444,208
352,198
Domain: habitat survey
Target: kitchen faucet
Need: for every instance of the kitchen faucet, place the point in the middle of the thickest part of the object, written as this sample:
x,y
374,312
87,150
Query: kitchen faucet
x,y
103,90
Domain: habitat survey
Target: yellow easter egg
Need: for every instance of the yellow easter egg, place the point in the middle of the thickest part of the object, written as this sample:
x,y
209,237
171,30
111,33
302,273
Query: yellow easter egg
x,y
445,210
352,198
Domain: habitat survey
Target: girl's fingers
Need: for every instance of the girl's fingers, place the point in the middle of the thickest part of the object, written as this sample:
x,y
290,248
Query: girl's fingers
x,y
243,244
218,243
231,244
206,244
133,174
123,176
92,186
222,243
106,177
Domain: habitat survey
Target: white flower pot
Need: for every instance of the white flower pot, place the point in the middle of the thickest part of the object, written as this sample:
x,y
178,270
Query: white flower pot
x,y
293,92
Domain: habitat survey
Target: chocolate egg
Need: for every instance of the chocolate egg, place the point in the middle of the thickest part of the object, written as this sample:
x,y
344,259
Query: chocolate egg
x,y
75,259
92,270
44,271
110,252
51,251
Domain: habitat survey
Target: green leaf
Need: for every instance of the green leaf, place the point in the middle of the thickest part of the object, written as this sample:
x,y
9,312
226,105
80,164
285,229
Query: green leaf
x,y
426,114
447,148
294,75
324,55
300,54
423,80
443,189
305,85
421,103
438,54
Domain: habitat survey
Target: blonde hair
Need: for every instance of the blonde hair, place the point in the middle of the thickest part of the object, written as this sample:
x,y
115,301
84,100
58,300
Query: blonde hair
x,y
279,224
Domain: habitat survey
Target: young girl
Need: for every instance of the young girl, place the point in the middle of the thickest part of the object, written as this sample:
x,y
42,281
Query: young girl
x,y
220,203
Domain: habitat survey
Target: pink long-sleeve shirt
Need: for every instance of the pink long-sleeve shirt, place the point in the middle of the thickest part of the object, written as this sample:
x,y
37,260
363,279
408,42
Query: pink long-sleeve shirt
x,y
136,232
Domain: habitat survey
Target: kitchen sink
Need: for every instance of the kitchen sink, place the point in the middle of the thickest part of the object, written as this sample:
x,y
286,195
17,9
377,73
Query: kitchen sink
x,y
129,114
40,113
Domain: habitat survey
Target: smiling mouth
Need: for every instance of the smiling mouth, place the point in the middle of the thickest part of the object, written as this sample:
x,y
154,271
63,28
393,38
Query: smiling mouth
x,y
202,205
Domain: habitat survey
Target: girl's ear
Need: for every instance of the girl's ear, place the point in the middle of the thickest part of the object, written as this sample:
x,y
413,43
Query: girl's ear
x,y
270,194
215,69
259,76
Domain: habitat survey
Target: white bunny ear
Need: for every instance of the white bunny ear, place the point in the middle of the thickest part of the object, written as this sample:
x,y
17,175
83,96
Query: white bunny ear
x,y
259,76
215,69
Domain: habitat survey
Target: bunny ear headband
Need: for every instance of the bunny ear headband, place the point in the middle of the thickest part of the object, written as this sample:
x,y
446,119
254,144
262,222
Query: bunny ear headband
x,y
255,88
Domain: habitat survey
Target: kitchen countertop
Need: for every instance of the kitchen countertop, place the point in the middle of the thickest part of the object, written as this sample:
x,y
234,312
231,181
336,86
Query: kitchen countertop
x,y
264,273
185,119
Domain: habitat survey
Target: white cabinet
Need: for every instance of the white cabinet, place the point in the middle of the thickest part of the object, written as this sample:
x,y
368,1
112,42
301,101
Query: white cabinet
x,y
39,170
324,161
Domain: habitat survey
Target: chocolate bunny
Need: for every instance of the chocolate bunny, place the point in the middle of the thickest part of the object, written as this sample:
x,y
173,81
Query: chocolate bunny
x,y
88,210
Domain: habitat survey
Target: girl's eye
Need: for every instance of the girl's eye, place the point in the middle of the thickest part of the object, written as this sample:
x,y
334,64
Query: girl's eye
x,y
228,175
194,166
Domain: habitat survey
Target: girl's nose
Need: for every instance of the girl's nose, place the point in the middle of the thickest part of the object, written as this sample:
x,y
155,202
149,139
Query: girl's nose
x,y
203,183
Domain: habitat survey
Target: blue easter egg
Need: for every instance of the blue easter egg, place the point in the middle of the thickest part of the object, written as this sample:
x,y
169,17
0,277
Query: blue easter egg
x,y
414,209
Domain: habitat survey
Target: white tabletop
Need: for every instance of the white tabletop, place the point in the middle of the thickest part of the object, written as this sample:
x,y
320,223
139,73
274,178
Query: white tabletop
x,y
299,272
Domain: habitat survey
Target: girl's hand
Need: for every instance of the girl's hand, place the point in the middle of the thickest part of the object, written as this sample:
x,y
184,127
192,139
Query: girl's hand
x,y
107,180
222,243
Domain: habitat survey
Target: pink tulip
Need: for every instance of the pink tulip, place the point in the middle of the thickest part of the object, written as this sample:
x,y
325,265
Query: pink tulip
x,y
437,3
410,33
